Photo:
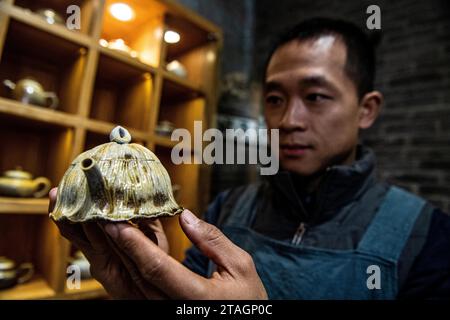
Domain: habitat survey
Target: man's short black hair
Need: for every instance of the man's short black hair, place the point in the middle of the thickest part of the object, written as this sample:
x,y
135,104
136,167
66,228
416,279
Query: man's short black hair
x,y
360,64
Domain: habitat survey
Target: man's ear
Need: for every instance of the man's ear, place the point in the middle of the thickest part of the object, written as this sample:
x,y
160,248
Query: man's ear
x,y
370,107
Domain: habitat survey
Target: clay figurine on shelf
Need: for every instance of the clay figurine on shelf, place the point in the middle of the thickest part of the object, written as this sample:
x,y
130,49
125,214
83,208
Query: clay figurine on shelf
x,y
165,128
19,183
115,181
118,45
50,16
177,68
30,91
11,275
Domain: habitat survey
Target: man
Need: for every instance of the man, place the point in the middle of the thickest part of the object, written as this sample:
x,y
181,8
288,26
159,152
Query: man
x,y
322,228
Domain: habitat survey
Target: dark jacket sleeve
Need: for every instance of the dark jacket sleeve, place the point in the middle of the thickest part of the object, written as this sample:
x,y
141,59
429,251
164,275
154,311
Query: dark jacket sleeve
x,y
195,260
429,277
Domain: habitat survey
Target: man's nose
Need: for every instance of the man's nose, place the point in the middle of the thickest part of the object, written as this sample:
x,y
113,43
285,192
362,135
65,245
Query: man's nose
x,y
294,117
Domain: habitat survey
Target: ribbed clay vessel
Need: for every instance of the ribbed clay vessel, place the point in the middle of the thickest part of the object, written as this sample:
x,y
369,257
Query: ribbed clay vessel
x,y
115,181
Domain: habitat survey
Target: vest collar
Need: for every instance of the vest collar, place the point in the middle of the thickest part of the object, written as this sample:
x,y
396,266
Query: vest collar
x,y
340,185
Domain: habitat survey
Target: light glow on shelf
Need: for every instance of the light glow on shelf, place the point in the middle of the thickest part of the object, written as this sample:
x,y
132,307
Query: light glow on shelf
x,y
171,36
121,11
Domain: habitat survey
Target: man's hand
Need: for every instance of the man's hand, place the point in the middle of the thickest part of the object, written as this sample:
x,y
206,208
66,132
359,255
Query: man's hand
x,y
235,278
134,263
109,266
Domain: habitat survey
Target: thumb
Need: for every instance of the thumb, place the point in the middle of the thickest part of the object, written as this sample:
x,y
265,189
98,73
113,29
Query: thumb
x,y
211,241
52,195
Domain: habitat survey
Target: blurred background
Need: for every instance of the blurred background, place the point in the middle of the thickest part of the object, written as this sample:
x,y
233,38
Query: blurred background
x,y
411,138
156,65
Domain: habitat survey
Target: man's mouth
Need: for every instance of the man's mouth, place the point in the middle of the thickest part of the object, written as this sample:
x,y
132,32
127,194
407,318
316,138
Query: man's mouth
x,y
294,149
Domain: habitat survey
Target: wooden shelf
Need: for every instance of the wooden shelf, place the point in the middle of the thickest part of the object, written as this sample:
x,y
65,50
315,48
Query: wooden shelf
x,y
183,84
37,288
123,57
164,141
33,20
17,109
24,205
89,289
98,88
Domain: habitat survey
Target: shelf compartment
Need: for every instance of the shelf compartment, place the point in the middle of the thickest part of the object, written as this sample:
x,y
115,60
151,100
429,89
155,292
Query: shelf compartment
x,y
36,288
24,205
191,36
122,94
127,60
57,64
181,107
87,7
27,17
36,241
14,109
142,34
176,91
185,86
89,289
196,51
183,175
43,150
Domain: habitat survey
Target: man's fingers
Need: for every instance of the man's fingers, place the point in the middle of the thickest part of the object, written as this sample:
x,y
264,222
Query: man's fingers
x,y
74,232
96,237
147,290
156,266
214,244
153,229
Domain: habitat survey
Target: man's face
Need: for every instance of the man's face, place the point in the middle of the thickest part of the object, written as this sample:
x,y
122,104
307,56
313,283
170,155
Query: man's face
x,y
310,98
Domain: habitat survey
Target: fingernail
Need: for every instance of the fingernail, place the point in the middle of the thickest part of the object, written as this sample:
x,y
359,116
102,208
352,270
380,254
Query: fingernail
x,y
189,217
112,230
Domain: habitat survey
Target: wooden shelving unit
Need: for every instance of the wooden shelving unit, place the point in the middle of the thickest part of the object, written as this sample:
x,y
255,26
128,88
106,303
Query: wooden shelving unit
x,y
98,88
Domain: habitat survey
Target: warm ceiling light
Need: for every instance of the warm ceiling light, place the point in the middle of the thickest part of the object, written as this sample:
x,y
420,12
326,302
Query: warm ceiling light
x,y
121,11
171,36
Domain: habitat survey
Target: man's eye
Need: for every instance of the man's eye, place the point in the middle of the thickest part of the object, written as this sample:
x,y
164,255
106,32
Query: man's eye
x,y
273,100
317,97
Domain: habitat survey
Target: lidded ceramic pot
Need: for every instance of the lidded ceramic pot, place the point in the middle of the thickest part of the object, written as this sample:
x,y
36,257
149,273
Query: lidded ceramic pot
x,y
19,183
115,181
11,274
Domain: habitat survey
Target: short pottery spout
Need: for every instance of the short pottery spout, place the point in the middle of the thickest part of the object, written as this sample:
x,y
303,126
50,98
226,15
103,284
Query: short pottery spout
x,y
96,183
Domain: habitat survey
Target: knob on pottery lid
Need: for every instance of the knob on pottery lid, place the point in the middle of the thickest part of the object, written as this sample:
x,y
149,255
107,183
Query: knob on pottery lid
x,y
120,135
115,181
6,264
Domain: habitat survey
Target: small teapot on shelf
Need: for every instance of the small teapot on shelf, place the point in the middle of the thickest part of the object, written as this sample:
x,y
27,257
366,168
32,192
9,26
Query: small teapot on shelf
x,y
50,16
30,91
19,183
10,274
